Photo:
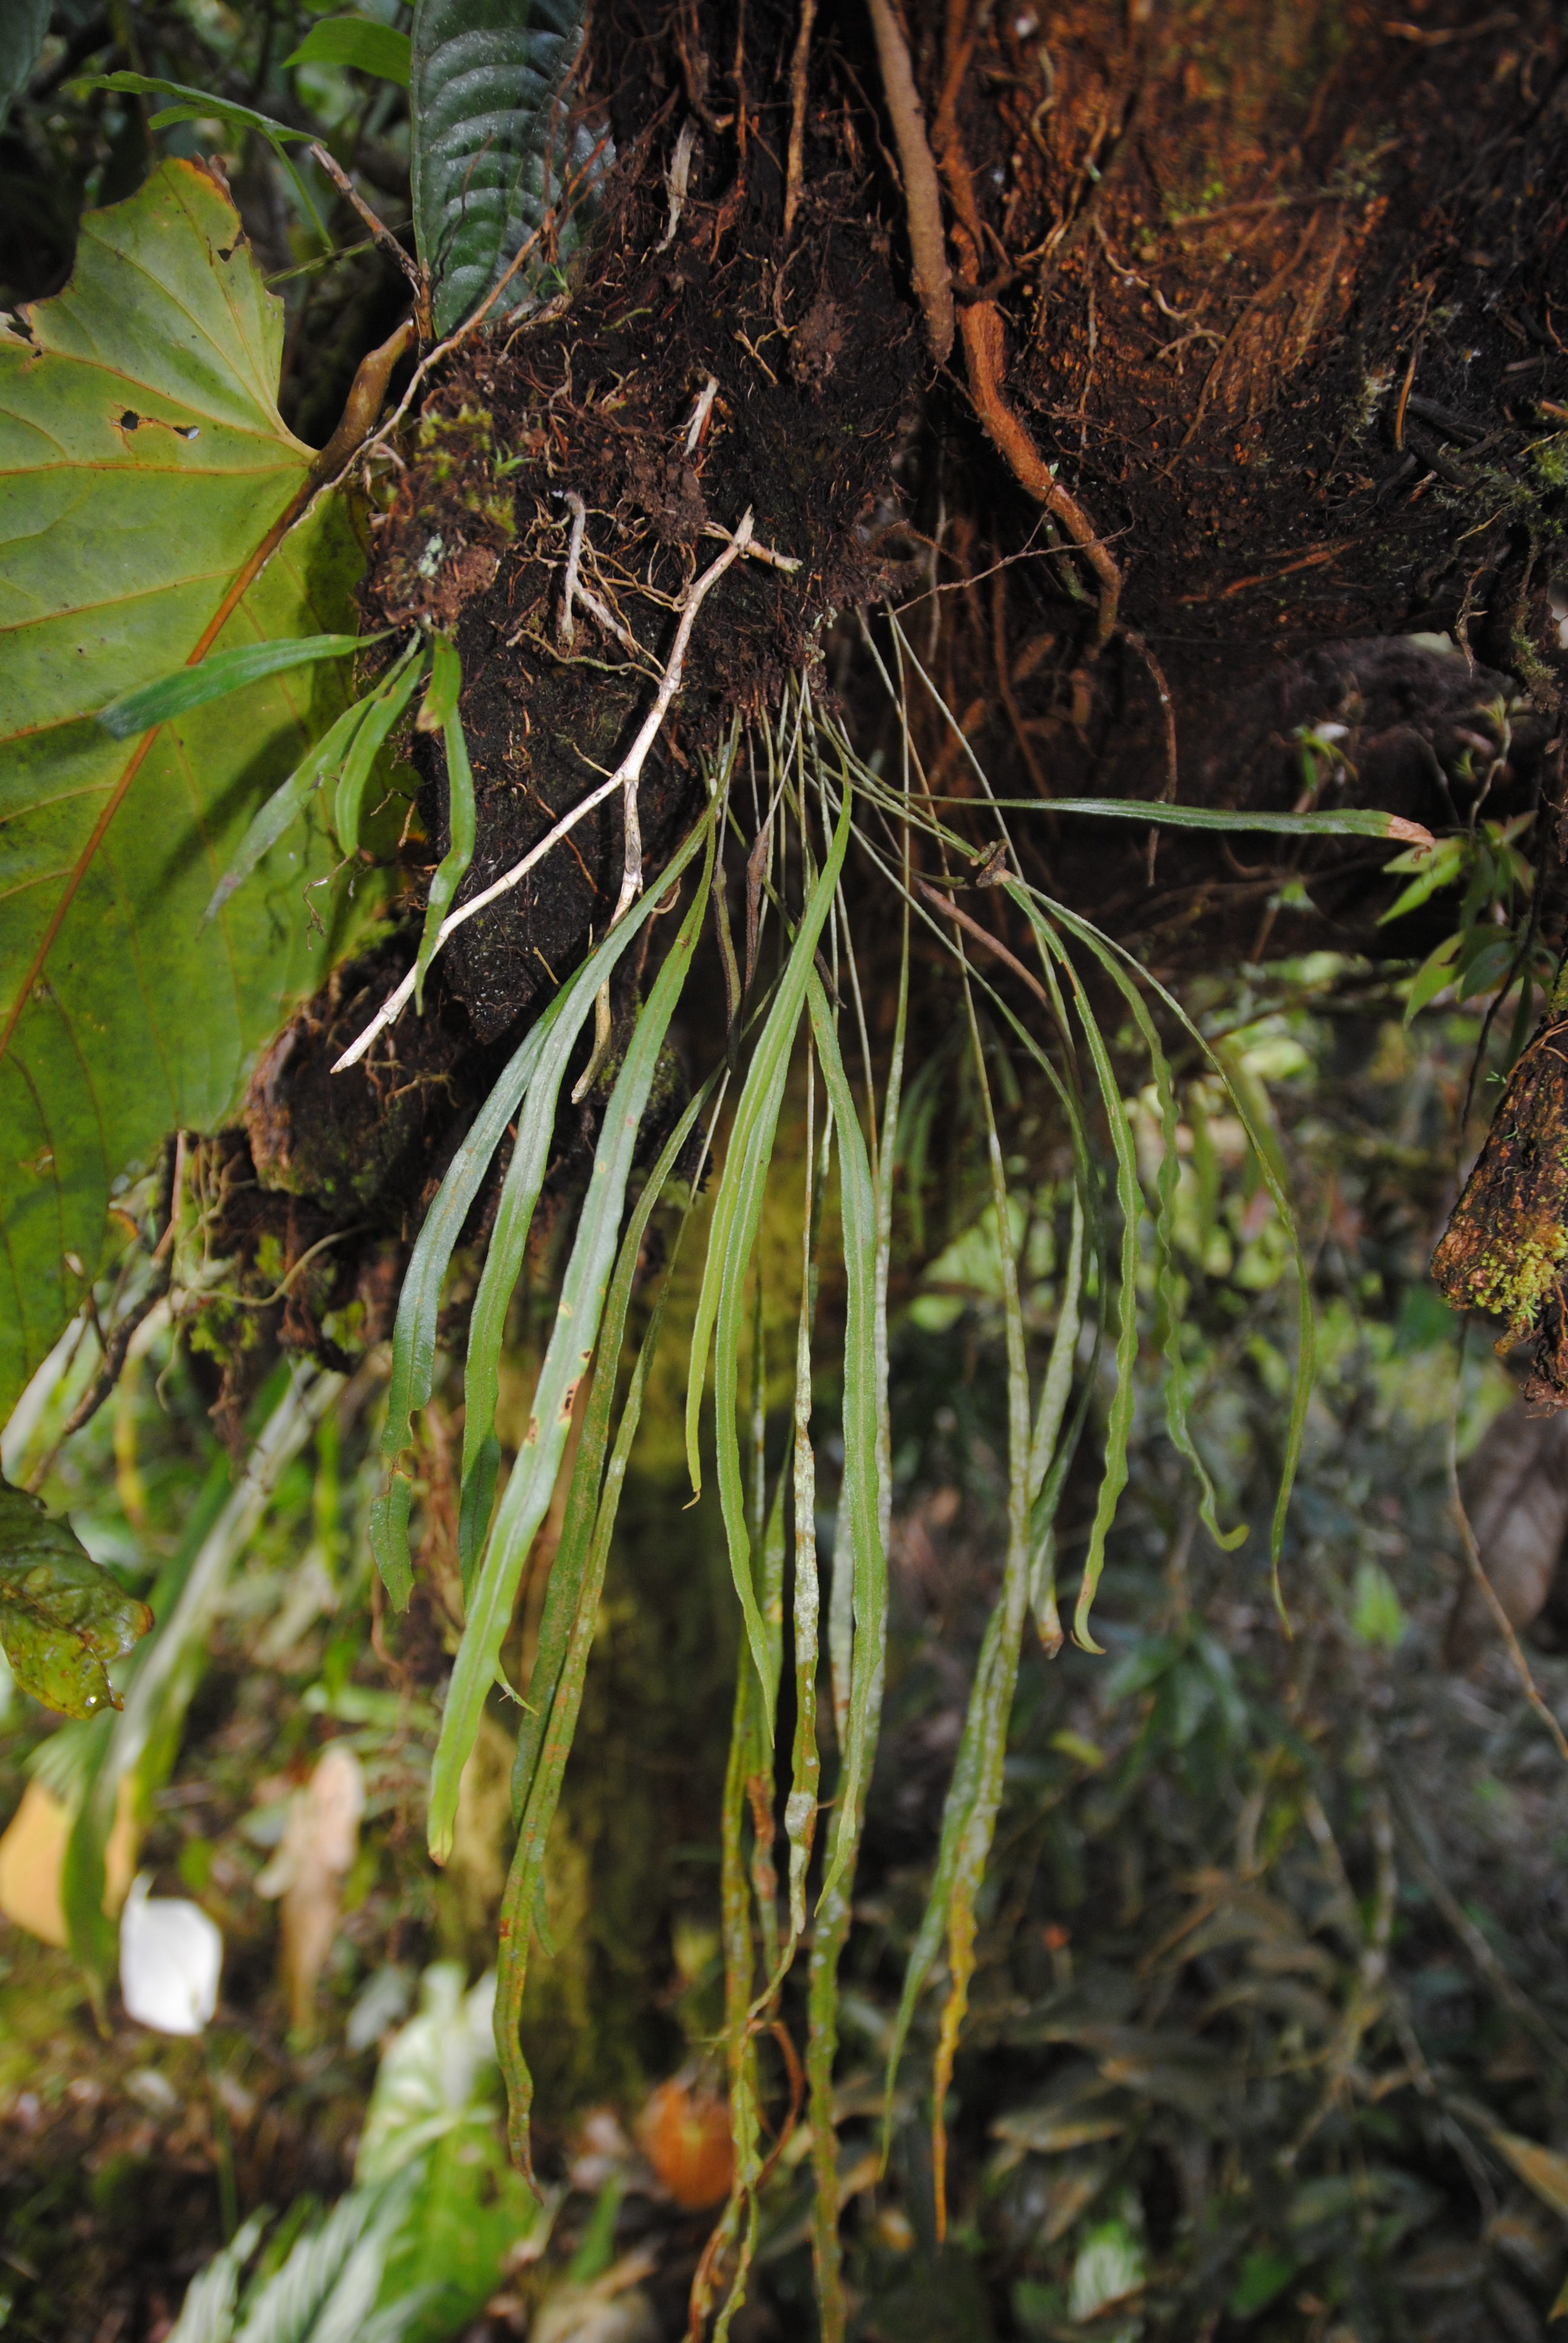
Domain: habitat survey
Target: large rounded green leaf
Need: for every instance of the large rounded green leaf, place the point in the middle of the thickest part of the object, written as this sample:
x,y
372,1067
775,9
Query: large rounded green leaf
x,y
145,472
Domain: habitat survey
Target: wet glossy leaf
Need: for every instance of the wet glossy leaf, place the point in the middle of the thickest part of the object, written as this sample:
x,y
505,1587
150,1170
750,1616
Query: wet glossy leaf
x,y
143,470
62,1620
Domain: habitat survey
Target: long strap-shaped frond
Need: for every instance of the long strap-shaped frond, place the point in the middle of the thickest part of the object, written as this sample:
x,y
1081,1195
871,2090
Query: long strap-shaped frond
x,y
732,1232
568,1626
572,1338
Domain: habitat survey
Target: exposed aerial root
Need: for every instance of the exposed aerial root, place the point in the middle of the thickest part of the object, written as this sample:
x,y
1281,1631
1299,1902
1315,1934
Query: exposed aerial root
x,y
981,330
922,190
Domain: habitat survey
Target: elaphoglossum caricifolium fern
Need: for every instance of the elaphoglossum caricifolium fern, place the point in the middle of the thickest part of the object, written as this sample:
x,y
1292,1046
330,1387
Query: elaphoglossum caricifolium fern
x,y
820,827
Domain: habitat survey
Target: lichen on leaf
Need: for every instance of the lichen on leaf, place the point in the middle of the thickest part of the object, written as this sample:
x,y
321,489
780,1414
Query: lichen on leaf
x,y
64,1620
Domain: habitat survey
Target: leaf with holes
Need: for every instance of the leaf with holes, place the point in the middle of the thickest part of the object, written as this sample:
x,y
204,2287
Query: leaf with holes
x,y
62,1620
145,474
490,145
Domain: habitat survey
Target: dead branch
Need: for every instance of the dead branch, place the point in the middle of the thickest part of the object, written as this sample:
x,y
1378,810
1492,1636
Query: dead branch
x,y
384,238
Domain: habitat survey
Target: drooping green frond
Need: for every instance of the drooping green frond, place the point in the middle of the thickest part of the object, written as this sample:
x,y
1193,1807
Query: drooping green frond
x,y
439,714
732,1231
570,1618
575,1330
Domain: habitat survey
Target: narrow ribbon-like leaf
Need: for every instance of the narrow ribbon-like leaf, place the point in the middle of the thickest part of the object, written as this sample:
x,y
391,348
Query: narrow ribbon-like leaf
x,y
832,1924
215,677
1353,821
570,1620
572,1338
418,1304
991,1705
515,1212
387,704
1046,1444
860,1538
440,713
1252,1114
288,803
805,1762
737,1210
562,1595
1176,1383
1119,1422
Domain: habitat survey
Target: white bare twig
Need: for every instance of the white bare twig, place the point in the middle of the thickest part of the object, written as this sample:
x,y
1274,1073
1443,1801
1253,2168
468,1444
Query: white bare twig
x,y
624,777
755,552
700,413
631,770
678,182
574,504
608,621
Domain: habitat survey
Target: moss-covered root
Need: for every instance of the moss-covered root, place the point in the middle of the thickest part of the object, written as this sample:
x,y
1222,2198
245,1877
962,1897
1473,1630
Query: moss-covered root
x,y
1505,1247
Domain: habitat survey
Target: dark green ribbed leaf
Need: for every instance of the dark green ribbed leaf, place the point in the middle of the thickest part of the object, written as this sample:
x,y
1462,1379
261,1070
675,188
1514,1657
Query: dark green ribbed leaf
x,y
488,148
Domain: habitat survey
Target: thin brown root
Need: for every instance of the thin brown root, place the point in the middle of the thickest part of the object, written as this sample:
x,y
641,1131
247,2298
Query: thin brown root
x,y
798,65
1168,711
922,190
980,326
